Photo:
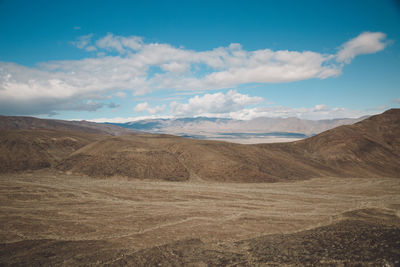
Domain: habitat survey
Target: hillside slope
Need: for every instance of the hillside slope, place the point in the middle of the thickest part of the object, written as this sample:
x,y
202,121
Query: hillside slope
x,y
35,149
368,148
175,158
141,156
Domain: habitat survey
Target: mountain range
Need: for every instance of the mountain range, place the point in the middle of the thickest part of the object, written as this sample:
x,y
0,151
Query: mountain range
x,y
258,130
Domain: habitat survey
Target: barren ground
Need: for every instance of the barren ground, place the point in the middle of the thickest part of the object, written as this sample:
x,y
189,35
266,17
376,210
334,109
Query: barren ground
x,y
109,220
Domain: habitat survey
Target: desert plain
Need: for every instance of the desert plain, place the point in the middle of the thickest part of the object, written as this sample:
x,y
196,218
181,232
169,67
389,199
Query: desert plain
x,y
52,218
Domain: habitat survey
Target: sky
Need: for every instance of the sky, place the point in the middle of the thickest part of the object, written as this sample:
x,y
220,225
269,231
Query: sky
x,y
120,61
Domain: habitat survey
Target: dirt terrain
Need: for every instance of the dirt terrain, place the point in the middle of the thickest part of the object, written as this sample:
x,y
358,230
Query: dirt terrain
x,y
49,218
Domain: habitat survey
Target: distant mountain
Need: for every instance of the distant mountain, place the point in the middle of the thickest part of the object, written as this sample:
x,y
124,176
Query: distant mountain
x,y
260,129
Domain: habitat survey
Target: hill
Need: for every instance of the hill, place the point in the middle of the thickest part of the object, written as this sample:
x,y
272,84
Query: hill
x,y
368,148
31,123
22,150
175,158
28,143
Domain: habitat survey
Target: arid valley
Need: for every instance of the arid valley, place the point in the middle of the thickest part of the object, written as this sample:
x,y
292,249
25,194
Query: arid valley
x,y
88,194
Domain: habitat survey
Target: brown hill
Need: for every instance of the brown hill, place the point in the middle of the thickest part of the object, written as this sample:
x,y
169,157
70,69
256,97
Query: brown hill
x,y
35,149
28,143
368,148
31,123
175,158
141,156
365,149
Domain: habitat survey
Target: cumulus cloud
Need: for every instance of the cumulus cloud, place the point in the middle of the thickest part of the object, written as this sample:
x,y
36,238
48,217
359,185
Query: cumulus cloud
x,y
145,107
129,64
365,43
218,103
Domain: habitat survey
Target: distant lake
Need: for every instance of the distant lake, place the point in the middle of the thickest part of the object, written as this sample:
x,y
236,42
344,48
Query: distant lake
x,y
250,138
273,134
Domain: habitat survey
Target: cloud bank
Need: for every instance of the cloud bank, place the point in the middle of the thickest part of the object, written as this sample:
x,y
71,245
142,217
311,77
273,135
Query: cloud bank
x,y
120,63
239,106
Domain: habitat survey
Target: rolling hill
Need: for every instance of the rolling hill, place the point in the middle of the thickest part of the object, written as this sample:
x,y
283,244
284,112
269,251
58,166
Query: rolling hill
x,y
23,150
28,143
368,148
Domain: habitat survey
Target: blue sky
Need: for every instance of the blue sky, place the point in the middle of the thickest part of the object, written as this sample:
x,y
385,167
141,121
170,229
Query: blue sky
x,y
125,60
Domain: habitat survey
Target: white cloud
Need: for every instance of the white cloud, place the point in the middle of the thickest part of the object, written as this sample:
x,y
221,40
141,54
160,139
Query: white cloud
x,y
120,94
90,48
147,108
365,43
83,41
321,107
43,88
175,67
119,43
218,103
